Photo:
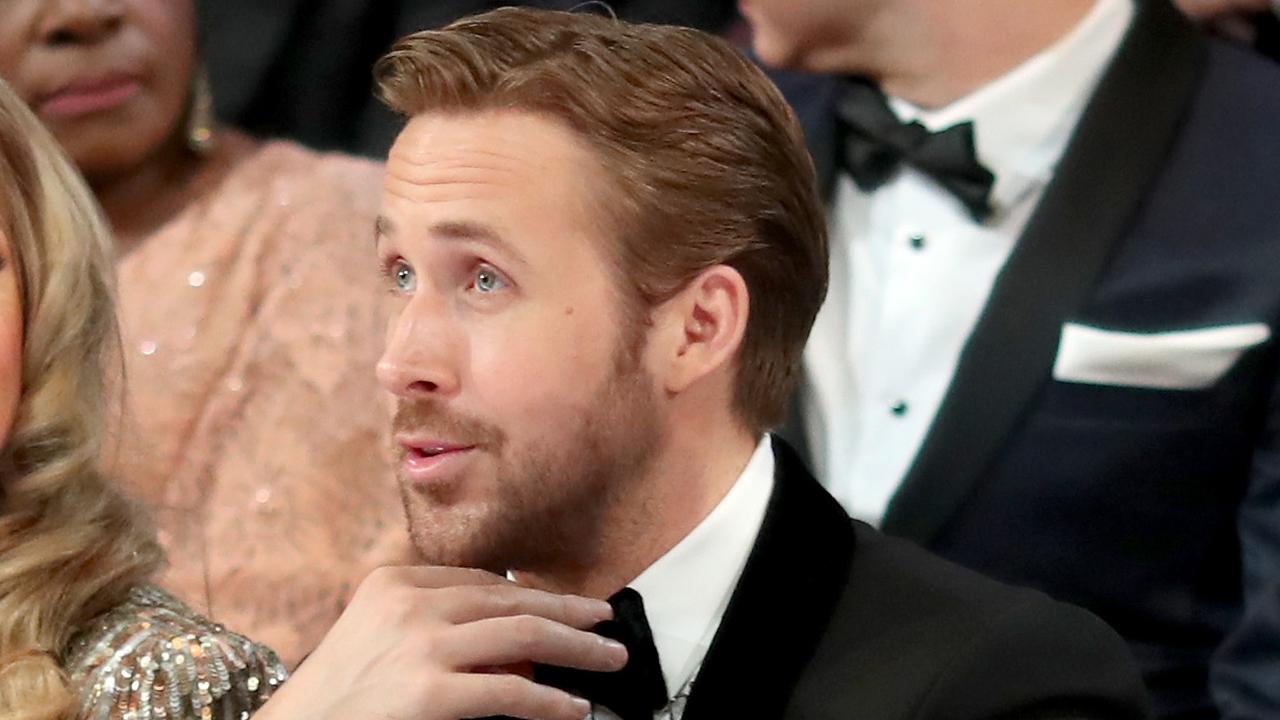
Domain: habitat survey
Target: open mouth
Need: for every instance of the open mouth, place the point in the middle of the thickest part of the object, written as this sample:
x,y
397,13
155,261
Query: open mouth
x,y
432,463
431,451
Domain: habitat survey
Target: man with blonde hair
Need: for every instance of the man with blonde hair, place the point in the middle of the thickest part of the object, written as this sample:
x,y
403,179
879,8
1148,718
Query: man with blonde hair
x,y
605,248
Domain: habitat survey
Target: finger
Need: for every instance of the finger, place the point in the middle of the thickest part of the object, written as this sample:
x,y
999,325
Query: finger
x,y
481,696
468,603
527,638
432,576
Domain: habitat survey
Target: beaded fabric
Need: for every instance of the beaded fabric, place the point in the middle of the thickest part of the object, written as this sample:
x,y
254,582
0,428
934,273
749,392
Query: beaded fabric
x,y
153,658
254,427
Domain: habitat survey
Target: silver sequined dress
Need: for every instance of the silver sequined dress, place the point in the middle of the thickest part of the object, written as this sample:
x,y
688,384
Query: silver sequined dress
x,y
153,658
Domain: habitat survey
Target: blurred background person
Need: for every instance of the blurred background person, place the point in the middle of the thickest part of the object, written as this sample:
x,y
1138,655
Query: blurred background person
x,y
81,631
250,319
1050,347
289,68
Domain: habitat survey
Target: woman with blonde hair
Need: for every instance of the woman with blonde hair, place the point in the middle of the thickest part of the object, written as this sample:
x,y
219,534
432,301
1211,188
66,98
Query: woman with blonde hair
x,y
82,634
250,316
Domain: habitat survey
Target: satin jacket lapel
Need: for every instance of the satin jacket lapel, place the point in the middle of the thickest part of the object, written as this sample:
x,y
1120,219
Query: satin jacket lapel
x,y
1110,163
780,609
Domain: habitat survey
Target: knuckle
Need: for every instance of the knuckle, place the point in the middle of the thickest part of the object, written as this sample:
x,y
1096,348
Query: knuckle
x,y
430,686
515,689
382,576
526,631
379,581
503,600
565,606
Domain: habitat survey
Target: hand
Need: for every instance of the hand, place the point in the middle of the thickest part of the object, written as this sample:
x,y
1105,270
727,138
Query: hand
x,y
433,643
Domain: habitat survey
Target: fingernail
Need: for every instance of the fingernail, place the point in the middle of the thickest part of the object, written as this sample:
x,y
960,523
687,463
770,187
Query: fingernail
x,y
613,645
600,609
581,706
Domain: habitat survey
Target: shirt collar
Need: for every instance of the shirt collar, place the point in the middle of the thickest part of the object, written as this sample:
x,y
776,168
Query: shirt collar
x,y
1024,119
687,590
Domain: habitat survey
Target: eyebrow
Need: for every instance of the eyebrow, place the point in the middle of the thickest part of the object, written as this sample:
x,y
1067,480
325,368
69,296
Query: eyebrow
x,y
383,227
463,230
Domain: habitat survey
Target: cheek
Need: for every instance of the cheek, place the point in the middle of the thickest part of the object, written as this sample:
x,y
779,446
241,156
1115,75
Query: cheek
x,y
10,368
168,24
16,21
168,30
537,370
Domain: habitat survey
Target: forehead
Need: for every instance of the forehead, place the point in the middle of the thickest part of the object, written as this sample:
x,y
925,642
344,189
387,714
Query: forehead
x,y
506,161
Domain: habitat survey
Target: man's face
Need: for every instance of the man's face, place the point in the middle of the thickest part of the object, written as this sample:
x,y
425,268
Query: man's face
x,y
522,406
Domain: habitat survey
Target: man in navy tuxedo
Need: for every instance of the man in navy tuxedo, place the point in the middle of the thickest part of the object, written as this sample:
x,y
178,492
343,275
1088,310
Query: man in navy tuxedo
x,y
1049,351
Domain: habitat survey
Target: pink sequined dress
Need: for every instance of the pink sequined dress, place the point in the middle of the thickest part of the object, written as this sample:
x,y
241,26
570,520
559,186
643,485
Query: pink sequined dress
x,y
253,426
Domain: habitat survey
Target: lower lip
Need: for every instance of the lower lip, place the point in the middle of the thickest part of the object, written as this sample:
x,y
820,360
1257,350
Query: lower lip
x,y
430,470
100,98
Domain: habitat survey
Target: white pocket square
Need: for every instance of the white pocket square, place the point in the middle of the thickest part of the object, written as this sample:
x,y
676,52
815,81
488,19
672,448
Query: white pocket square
x,y
1176,360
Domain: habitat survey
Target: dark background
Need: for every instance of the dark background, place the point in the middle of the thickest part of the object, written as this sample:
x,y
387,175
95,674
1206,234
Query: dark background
x,y
301,69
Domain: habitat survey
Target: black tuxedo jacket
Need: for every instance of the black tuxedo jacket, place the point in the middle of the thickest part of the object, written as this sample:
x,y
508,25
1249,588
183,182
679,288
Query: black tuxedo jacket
x,y
833,621
1158,509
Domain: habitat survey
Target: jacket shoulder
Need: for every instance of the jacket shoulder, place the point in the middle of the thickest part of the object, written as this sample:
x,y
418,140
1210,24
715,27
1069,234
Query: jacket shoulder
x,y
153,657
916,636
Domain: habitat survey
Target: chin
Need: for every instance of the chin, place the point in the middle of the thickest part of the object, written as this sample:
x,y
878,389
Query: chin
x,y
773,53
451,538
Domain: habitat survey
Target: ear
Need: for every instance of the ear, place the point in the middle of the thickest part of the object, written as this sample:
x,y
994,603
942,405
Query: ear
x,y
701,328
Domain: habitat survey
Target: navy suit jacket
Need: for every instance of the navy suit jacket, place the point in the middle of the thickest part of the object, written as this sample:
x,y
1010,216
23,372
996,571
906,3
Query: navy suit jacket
x,y
1157,509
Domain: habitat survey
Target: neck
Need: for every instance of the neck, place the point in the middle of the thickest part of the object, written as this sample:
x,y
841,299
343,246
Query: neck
x,y
692,470
932,53
140,199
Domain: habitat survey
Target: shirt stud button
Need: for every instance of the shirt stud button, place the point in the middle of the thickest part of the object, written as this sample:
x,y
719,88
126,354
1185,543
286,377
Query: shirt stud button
x,y
899,408
916,240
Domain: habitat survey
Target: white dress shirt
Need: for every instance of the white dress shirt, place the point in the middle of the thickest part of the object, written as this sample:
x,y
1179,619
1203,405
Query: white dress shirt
x,y
911,269
686,591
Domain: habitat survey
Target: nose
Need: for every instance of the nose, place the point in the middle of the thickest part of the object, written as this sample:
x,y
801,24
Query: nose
x,y
421,356
80,22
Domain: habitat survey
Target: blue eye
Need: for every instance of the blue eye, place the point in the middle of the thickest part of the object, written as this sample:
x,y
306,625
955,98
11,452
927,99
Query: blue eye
x,y
488,280
403,277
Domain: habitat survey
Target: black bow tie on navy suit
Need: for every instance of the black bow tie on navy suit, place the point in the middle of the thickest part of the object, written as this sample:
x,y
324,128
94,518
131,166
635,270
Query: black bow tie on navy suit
x,y
635,692
876,144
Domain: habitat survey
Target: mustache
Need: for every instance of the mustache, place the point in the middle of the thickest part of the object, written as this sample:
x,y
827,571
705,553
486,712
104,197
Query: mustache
x,y
430,417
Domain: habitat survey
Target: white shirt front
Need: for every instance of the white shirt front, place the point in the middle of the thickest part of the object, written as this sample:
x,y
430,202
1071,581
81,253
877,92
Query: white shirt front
x,y
911,270
687,590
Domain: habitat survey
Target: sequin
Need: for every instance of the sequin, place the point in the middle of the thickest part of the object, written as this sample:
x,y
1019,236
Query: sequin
x,y
153,658
196,279
148,347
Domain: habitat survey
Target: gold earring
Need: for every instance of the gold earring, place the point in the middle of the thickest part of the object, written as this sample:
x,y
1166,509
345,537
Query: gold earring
x,y
200,115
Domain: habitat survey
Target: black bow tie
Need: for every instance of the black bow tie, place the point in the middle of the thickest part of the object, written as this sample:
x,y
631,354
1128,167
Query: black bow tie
x,y
635,692
876,143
